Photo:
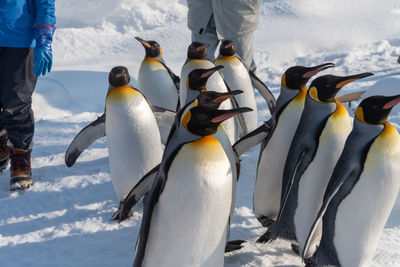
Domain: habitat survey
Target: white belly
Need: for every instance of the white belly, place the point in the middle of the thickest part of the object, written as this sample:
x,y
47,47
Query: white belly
x,y
189,222
316,177
362,215
238,78
133,142
214,83
267,191
156,85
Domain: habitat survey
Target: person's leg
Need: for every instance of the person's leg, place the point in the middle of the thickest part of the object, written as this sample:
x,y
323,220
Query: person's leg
x,y
209,37
244,48
17,83
4,155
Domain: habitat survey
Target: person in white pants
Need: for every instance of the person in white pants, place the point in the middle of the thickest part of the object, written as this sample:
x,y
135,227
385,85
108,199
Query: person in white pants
x,y
212,21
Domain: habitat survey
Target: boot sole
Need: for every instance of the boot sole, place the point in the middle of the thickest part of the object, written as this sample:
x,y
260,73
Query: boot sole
x,y
20,183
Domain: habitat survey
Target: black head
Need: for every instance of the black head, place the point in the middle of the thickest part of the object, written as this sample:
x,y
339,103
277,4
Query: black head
x,y
197,79
376,109
119,76
325,88
297,77
214,99
202,120
197,50
153,49
227,48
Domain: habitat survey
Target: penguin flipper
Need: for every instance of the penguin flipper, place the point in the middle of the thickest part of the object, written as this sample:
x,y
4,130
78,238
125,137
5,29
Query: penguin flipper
x,y
350,97
296,163
165,119
339,176
150,200
84,139
235,104
234,245
175,78
137,192
264,91
253,138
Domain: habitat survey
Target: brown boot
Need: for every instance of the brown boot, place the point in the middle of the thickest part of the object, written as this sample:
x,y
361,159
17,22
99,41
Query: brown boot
x,y
4,156
20,171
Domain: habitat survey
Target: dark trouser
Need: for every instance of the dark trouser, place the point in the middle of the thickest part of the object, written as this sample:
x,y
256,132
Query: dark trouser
x,y
17,83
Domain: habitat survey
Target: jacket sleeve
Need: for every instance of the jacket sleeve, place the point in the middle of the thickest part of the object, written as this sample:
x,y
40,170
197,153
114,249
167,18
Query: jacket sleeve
x,y
199,14
45,13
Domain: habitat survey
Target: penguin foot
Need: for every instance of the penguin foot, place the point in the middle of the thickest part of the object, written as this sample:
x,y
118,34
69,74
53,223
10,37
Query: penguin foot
x,y
122,213
295,248
234,245
265,221
269,236
311,262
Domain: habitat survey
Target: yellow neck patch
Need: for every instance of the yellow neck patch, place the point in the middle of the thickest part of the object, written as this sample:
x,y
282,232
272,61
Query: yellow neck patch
x,y
283,81
225,59
360,115
122,92
340,110
301,96
186,119
313,93
149,60
389,130
206,140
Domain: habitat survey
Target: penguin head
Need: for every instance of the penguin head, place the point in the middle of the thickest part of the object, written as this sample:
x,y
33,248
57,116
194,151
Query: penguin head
x,y
119,76
296,77
197,50
214,99
376,109
197,79
325,88
203,120
153,49
227,48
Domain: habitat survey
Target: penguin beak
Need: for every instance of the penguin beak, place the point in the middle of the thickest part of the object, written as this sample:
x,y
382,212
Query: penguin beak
x,y
222,115
348,79
209,72
200,48
228,46
143,42
314,70
224,96
393,102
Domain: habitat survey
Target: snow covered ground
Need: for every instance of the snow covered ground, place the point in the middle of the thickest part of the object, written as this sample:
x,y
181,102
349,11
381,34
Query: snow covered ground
x,y
63,220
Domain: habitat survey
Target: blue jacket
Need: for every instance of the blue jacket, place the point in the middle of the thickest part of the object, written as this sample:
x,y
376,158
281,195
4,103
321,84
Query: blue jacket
x,y
19,18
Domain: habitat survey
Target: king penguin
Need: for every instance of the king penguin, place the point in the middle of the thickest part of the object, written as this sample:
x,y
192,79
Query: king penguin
x,y
361,191
155,80
316,146
200,97
204,99
191,192
133,138
197,59
236,75
279,131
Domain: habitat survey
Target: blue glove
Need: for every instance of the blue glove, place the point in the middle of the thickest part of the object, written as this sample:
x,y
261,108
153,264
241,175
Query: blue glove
x,y
42,55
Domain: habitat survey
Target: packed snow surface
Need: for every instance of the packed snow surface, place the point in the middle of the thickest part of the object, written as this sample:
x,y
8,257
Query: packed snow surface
x,y
63,220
